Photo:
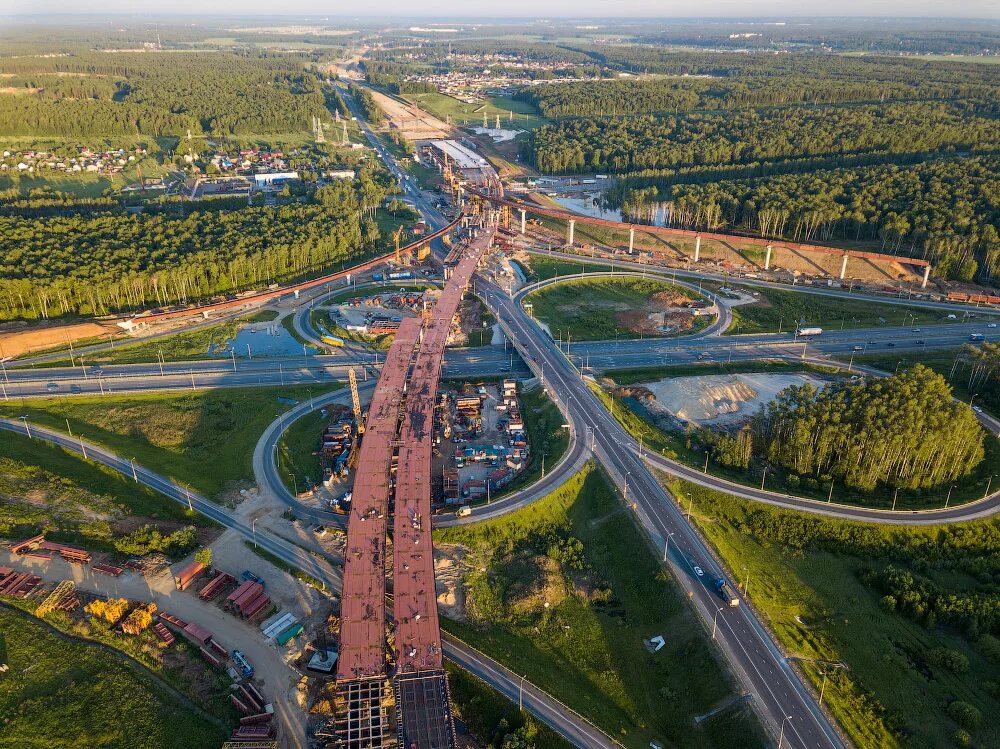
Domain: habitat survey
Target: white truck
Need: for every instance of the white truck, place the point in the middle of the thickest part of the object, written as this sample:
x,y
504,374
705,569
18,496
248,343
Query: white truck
x,y
808,332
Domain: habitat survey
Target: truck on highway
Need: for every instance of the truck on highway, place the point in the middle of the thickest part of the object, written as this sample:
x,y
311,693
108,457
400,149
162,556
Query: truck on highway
x,y
808,332
401,275
722,588
332,340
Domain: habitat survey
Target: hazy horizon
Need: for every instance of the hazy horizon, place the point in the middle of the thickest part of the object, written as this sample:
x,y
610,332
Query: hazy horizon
x,y
527,10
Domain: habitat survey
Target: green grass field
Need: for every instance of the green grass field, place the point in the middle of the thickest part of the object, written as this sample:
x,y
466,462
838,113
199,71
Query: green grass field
x,y
586,308
442,106
544,267
183,346
784,310
74,500
203,438
579,552
71,694
295,452
491,717
805,576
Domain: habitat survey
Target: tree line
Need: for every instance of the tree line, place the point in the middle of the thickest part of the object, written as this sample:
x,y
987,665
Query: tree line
x,y
108,262
904,431
945,210
644,142
369,107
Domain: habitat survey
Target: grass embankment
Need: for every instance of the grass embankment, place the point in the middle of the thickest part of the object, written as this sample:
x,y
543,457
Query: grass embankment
x,y
47,489
543,267
204,439
491,717
945,362
442,106
633,375
68,693
193,344
566,591
296,452
819,584
686,448
785,310
482,335
586,308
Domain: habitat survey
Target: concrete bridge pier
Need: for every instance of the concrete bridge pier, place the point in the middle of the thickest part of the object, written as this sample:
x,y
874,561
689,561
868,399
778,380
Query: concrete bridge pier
x,y
631,240
843,268
697,248
569,232
524,217
927,276
767,259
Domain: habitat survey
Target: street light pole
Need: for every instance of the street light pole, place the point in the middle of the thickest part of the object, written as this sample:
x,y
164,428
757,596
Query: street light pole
x,y
135,476
27,429
666,545
948,498
715,622
781,736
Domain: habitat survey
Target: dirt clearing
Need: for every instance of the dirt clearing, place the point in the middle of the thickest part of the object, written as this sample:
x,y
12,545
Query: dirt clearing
x,y
720,399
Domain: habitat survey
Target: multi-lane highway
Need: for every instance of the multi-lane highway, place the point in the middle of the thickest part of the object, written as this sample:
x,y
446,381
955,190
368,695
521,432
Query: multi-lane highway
x,y
755,657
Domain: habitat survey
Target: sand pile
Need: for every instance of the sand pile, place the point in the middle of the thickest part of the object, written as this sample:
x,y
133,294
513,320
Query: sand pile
x,y
720,398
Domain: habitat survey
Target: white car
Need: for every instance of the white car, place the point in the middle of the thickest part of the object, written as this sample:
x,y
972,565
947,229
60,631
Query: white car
x,y
699,571
991,325
977,409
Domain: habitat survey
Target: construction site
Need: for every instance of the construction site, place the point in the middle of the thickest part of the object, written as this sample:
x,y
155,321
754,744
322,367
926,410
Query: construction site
x,y
482,443
391,684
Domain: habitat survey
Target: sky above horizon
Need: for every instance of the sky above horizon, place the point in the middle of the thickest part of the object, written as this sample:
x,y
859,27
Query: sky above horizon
x,y
467,9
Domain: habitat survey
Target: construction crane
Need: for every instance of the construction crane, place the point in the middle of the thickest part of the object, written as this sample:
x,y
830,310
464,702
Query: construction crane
x,y
355,398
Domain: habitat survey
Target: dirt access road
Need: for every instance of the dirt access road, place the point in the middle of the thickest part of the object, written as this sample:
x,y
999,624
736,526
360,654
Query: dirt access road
x,y
276,678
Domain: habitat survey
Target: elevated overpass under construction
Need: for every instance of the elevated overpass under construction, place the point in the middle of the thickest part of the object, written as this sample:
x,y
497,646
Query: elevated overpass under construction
x,y
394,467
572,219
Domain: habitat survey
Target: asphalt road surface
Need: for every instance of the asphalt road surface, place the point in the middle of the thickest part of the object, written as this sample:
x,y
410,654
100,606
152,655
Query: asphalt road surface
x,y
755,658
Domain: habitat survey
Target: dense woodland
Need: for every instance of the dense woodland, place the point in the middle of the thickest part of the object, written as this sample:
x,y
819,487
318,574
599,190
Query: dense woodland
x,y
904,430
98,263
129,94
640,142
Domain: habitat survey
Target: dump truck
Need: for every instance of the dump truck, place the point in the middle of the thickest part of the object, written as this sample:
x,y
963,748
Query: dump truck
x,y
724,592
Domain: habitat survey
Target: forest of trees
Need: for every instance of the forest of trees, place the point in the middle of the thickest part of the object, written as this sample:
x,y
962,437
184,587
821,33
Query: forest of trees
x,y
99,263
904,430
946,211
631,96
640,142
369,107
158,94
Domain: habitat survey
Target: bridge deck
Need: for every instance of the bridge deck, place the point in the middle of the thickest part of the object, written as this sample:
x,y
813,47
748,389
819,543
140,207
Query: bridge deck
x,y
362,629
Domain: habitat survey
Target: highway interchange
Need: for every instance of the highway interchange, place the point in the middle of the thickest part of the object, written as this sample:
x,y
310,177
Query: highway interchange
x,y
757,661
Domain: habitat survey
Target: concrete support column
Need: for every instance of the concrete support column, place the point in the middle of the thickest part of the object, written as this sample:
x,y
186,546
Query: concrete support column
x,y
843,268
524,218
569,232
927,276
697,248
631,240
767,259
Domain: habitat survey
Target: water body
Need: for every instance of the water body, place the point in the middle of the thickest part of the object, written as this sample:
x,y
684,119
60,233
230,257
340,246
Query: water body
x,y
589,204
263,339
